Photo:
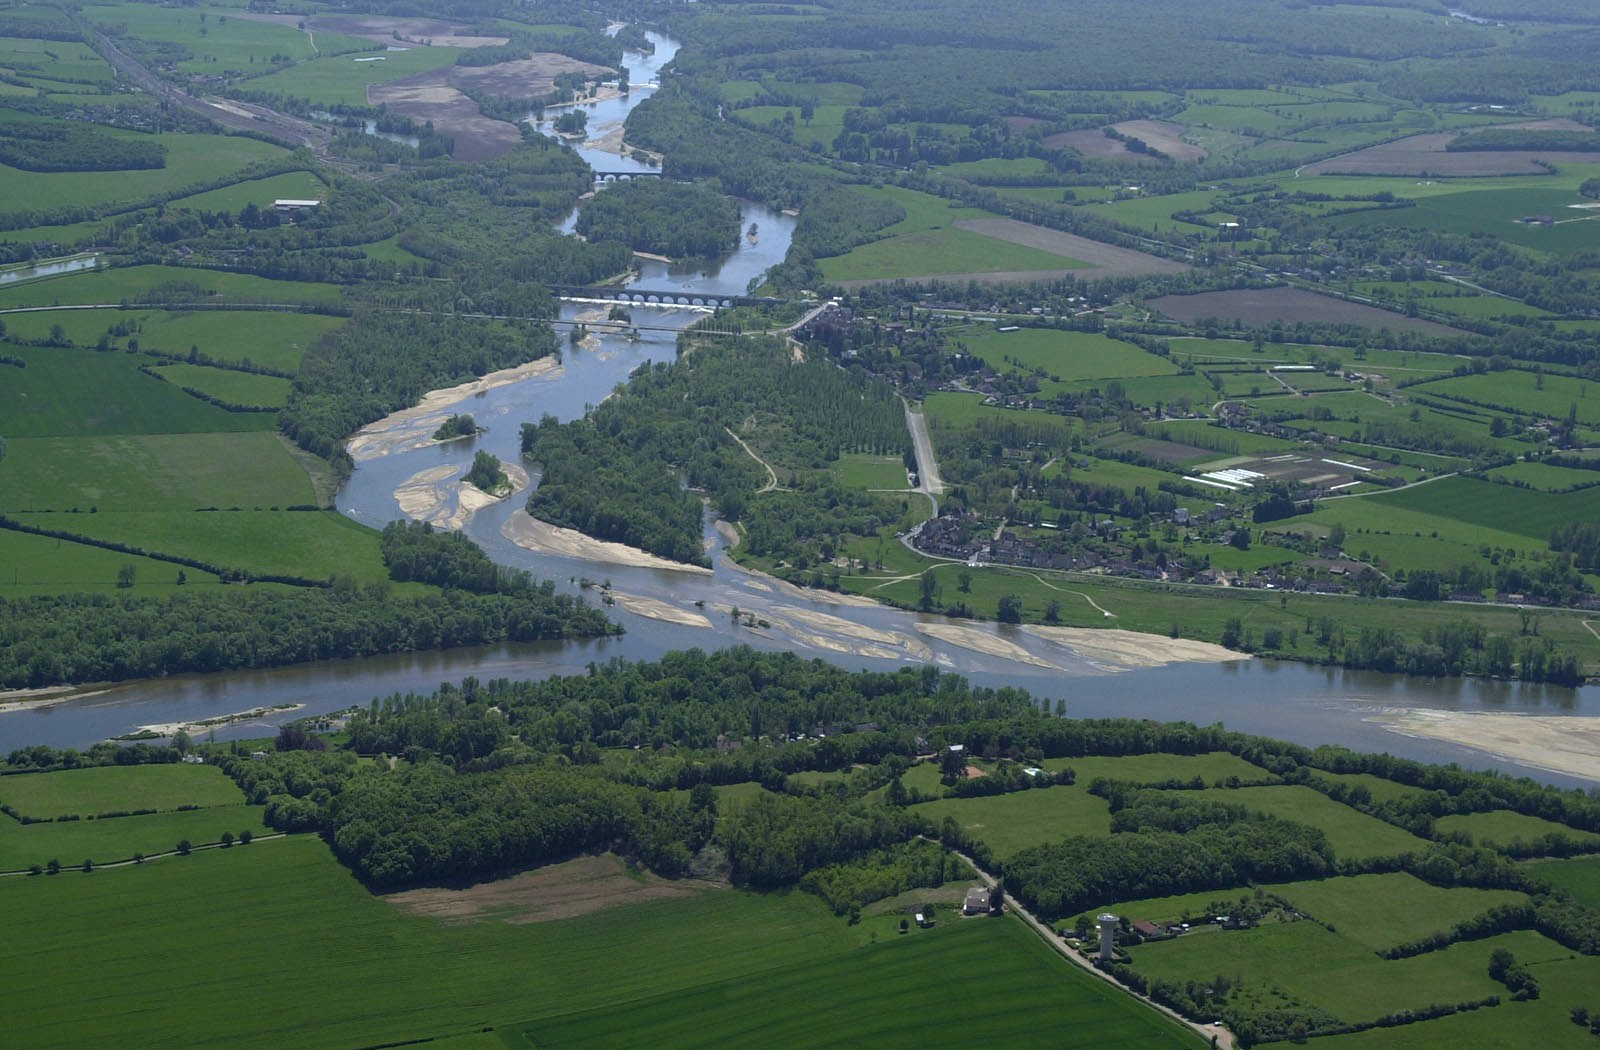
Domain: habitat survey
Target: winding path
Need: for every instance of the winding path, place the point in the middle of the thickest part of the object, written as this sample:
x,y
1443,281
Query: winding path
x,y
772,475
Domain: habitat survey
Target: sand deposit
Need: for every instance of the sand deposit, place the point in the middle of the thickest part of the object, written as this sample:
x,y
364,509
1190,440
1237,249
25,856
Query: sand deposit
x,y
1129,650
532,534
1558,743
413,428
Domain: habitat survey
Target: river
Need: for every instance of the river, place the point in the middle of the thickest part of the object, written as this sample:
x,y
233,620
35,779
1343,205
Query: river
x,y
1418,718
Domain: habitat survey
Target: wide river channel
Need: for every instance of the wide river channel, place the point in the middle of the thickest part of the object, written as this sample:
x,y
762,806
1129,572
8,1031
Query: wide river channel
x,y
663,609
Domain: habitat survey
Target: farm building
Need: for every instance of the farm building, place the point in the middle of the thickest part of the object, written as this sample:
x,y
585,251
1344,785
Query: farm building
x,y
977,901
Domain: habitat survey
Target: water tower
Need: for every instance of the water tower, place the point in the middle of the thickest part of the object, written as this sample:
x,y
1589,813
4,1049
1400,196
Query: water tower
x,y
1109,924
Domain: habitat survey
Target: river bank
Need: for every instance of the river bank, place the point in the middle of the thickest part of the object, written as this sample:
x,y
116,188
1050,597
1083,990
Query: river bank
x,y
413,428
531,534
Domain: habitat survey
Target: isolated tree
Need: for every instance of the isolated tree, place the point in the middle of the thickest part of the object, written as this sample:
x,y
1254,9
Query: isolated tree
x,y
964,581
125,576
184,847
227,839
997,899
1010,609
245,837
930,589
53,867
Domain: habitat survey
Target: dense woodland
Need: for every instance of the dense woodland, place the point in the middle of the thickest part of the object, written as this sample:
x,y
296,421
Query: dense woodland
x,y
666,218
620,472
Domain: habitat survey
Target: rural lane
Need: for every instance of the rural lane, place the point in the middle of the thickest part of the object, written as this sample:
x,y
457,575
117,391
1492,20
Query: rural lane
x,y
927,466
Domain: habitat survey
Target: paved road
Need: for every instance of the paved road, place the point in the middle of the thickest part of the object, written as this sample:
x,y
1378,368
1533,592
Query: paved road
x,y
927,466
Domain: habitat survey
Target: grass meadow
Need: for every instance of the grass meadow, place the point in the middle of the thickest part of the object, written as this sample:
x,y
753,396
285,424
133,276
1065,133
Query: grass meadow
x,y
1008,823
1352,834
1382,911
335,80
1579,876
151,472
1063,356
114,839
191,159
1520,512
864,471
898,993
283,913
270,338
315,545
260,192
81,393
1502,828
1158,769
937,252
116,285
102,789
46,565
236,388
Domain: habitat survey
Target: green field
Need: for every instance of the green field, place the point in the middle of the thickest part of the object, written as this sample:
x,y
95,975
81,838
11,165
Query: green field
x,y
1352,834
272,339
1495,211
1502,828
116,285
73,393
191,159
234,388
1380,789
1550,396
260,192
1008,823
1382,911
1544,476
340,80
891,995
1062,356
1520,512
114,839
292,543
940,252
1579,876
45,565
861,470
102,789
285,912
151,472
1158,769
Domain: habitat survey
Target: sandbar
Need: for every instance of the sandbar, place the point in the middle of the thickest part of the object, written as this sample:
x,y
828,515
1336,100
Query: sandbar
x,y
1567,744
413,427
659,610
982,641
1129,650
27,699
532,534
174,728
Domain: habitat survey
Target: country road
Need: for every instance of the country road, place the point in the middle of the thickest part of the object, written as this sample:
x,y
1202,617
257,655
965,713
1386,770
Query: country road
x,y
927,467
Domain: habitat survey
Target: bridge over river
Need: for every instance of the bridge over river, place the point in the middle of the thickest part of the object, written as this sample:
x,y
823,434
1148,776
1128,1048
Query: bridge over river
x,y
658,296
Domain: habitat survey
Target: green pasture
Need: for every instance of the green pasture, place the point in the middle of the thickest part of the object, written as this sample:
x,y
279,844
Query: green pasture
x,y
1015,821
938,252
151,472
1540,1024
1200,431
1382,790
389,250
55,60
1126,476
1480,306
45,565
1155,213
1280,964
1550,396
1062,356
124,283
293,915
1495,211
260,192
1203,905
1382,911
978,171
273,339
824,126
80,393
864,471
1211,767
1175,391
1502,828
315,545
340,80
1403,538
897,993
114,839
66,236
217,43
1543,476
103,789
191,159
952,409
1579,876
1259,556
1352,834
1522,512
236,388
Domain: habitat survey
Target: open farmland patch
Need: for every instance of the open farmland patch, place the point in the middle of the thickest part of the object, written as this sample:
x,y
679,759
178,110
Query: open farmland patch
x,y
114,839
1095,144
1579,876
1525,512
557,891
32,564
1352,834
1065,356
1008,823
1263,306
1505,829
113,286
103,789
1108,258
1382,911
1165,138
1158,768
335,80
226,385
915,985
949,254
1425,155
151,472
272,339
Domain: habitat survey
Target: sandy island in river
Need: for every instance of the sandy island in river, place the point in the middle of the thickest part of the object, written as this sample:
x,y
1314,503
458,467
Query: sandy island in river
x,y
441,497
659,610
1130,650
982,641
27,699
414,427
542,537
819,630
1558,743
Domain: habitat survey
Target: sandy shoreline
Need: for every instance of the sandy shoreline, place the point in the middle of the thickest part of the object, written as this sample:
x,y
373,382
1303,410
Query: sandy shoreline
x,y
169,729
28,699
1130,650
1567,744
542,537
413,427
